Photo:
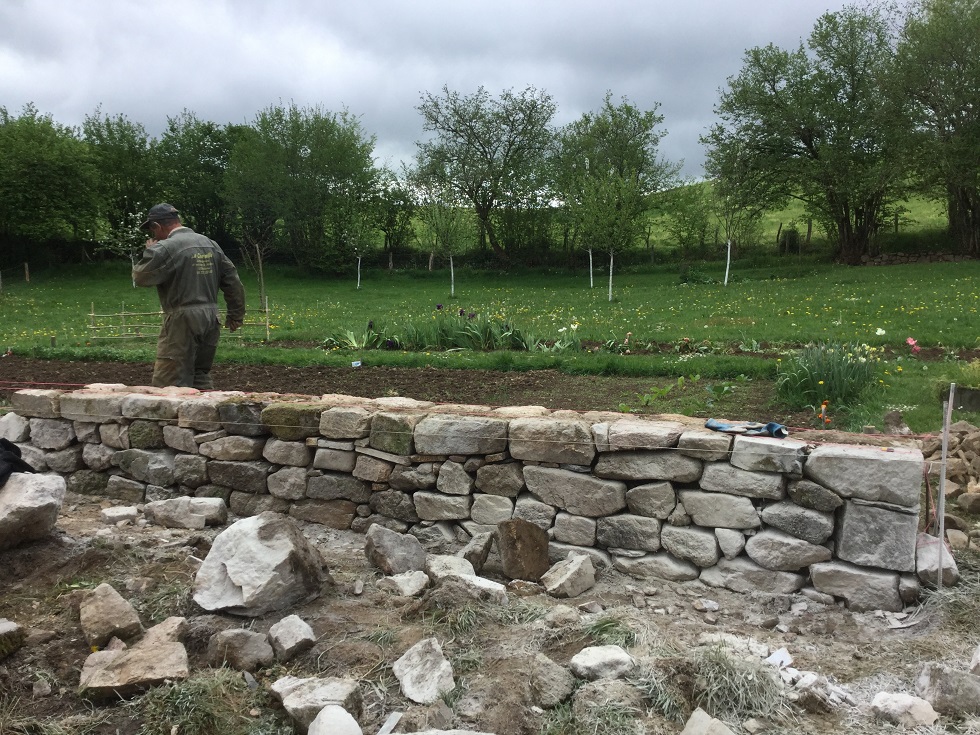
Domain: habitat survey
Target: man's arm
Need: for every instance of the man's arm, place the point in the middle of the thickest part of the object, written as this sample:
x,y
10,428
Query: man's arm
x,y
233,290
153,267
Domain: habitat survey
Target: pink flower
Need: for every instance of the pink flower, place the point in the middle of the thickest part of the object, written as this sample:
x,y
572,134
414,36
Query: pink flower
x,y
910,342
916,349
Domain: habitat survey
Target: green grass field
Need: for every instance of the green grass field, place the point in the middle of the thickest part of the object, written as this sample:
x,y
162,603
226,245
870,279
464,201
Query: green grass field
x,y
769,310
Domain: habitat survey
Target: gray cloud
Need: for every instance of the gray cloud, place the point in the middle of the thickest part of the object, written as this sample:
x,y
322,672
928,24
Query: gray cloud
x,y
226,59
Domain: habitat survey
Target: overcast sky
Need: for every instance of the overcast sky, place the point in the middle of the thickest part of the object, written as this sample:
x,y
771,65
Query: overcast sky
x,y
227,59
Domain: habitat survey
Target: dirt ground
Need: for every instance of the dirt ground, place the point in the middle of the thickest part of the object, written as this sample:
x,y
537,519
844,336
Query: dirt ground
x,y
361,635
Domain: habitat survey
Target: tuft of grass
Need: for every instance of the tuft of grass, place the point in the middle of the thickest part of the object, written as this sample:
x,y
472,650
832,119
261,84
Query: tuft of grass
x,y
383,637
959,606
728,687
608,719
208,703
166,599
663,693
609,631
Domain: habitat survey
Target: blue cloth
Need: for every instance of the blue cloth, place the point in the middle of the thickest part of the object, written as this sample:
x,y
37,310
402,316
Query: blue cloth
x,y
748,428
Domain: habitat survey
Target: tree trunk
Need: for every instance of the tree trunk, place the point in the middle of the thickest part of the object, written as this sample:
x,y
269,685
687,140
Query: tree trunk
x,y
610,273
452,278
591,281
432,259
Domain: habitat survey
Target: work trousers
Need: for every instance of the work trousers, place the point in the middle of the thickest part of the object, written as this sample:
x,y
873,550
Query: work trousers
x,y
186,347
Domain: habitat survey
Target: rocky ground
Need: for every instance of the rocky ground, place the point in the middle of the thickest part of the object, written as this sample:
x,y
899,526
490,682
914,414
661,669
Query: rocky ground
x,y
362,630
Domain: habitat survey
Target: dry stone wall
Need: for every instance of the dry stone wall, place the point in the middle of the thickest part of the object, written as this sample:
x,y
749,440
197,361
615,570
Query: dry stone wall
x,y
649,498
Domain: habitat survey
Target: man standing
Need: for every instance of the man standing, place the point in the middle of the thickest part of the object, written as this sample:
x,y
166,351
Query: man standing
x,y
188,269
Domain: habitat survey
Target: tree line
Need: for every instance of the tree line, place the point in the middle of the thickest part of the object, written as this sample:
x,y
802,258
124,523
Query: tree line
x,y
876,105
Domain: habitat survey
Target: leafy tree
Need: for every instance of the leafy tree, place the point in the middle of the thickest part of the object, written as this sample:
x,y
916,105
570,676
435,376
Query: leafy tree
x,y
939,70
490,152
48,179
444,226
607,170
396,209
818,123
194,155
295,173
123,154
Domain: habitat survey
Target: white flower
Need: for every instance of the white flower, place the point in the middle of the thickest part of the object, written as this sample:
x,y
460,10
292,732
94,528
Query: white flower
x,y
561,330
879,331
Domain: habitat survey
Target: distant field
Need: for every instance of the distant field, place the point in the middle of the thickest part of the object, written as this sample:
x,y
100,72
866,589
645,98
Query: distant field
x,y
935,304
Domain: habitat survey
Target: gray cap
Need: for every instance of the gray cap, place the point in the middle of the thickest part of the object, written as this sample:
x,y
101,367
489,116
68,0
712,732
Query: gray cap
x,y
160,213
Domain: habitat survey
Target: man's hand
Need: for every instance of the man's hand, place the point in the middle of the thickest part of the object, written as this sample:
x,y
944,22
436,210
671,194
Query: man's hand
x,y
150,243
232,324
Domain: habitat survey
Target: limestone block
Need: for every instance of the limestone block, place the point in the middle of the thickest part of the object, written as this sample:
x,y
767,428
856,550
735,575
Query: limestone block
x,y
258,565
573,529
877,535
394,504
65,460
29,507
294,454
579,494
153,407
200,414
653,499
505,478
444,434
190,470
764,454
491,509
234,448
776,550
14,428
627,531
337,514
662,464
292,421
145,434
721,477
242,418
531,509
114,435
548,439
432,506
744,575
394,432
180,439
51,434
696,545
346,422
868,473
248,477
719,510
289,483
634,433
37,403
371,469
338,486
334,459
154,467
660,565
87,482
708,446
93,406
863,589
805,523
453,479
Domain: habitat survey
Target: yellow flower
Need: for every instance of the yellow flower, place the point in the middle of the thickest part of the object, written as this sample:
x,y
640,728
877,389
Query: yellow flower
x,y
820,382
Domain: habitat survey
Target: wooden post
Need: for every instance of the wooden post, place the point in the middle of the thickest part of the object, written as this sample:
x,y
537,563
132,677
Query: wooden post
x,y
27,273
